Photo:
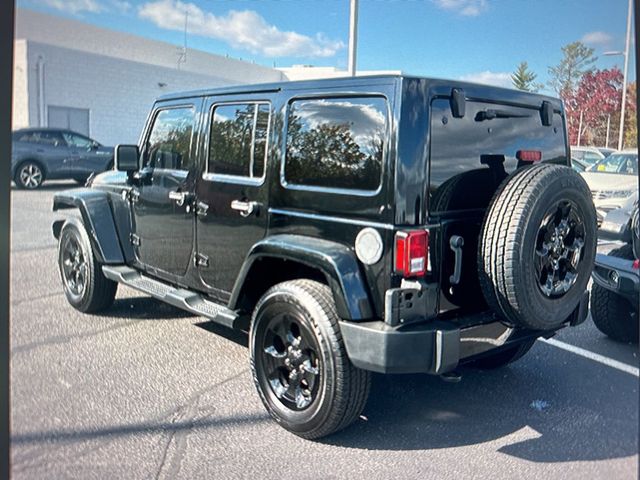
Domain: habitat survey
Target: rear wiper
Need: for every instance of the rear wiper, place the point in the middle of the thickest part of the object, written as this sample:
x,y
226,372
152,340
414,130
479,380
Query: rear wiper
x,y
490,114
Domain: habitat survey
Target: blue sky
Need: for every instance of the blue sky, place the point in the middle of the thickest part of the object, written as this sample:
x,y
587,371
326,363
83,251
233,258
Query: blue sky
x,y
470,39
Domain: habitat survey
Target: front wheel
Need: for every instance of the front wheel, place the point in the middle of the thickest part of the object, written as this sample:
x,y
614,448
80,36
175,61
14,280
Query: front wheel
x,y
299,362
84,284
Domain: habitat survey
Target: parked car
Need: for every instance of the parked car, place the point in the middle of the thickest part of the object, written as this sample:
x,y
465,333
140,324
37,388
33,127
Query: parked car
x,y
615,294
588,155
391,224
579,165
617,223
612,181
39,154
606,151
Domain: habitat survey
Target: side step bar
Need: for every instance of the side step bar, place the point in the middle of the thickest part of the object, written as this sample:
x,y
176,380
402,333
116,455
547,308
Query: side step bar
x,y
178,297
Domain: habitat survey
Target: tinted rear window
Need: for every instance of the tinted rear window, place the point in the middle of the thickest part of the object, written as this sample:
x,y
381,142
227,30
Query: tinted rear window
x,y
336,143
487,131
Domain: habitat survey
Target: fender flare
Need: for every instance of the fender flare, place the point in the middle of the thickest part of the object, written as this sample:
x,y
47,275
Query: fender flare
x,y
98,219
337,262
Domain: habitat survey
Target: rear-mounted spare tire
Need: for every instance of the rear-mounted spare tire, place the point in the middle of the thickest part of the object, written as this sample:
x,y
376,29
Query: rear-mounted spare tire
x,y
537,246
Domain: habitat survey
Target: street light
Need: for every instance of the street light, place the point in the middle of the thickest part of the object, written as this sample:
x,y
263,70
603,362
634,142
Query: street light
x,y
625,54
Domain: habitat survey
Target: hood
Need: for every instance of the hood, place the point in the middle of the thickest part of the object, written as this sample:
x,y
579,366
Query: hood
x,y
610,181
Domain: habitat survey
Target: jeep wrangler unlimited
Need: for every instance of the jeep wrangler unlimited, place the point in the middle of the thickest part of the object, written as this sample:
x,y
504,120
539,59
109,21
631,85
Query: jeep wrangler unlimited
x,y
387,224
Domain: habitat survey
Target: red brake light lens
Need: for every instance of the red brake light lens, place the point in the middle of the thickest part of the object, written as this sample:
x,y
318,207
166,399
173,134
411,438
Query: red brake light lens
x,y
529,155
636,264
412,249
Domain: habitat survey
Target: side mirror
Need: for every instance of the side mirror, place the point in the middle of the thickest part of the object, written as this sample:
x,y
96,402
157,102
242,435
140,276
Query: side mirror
x,y
127,158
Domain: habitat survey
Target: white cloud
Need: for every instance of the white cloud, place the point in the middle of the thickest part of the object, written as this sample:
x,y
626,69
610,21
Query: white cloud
x,y
498,79
75,6
597,38
122,6
244,29
468,8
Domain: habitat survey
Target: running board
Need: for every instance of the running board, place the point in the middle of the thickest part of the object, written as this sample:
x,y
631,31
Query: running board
x,y
178,297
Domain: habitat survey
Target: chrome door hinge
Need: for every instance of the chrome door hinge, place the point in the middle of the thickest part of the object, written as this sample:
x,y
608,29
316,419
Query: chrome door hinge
x,y
135,240
201,260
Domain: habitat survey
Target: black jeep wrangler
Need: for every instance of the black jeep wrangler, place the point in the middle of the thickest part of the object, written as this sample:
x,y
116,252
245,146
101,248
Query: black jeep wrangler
x,y
615,293
376,224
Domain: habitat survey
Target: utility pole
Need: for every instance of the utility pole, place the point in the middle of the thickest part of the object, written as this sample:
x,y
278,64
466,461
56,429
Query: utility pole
x,y
624,77
579,129
608,125
353,37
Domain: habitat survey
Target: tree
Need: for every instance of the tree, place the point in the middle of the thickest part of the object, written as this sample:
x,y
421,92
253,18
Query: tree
x,y
578,59
524,79
631,121
597,97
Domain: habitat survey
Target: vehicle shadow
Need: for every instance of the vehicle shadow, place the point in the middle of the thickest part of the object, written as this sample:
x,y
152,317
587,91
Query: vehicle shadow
x,y
49,186
143,308
528,412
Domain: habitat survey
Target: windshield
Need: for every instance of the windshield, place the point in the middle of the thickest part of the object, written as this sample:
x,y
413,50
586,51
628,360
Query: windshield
x,y
625,163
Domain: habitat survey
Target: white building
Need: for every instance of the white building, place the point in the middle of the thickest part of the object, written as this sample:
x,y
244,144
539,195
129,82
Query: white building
x,y
101,82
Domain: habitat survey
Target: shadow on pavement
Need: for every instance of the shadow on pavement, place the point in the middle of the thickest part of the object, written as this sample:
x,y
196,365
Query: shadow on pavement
x,y
68,435
408,412
143,308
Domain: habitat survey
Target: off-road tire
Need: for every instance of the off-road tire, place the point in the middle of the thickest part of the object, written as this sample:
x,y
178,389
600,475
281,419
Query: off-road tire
x,y
507,247
503,357
19,179
98,292
613,314
343,389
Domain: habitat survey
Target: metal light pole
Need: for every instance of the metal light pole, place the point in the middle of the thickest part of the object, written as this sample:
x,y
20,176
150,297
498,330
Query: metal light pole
x,y
353,37
624,74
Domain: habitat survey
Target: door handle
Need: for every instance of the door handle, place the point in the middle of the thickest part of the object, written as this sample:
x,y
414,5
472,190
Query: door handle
x,y
245,208
179,197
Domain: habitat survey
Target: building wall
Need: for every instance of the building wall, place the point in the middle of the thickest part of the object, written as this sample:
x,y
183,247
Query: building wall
x,y
77,35
20,110
117,76
118,93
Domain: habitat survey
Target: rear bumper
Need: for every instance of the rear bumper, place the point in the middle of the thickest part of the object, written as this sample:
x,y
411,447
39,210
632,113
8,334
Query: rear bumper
x,y
617,274
438,346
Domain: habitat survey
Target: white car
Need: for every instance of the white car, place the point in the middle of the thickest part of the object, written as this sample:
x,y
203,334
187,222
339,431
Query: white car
x,y
612,180
587,155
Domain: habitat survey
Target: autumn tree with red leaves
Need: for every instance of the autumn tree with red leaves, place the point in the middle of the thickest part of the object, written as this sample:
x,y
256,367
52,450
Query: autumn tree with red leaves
x,y
598,97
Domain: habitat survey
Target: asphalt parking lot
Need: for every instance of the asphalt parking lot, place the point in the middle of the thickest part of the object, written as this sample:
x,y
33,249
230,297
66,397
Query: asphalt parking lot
x,y
147,391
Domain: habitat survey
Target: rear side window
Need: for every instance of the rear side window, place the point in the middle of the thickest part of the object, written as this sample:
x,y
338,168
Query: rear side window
x,y
488,137
169,143
52,139
336,143
238,140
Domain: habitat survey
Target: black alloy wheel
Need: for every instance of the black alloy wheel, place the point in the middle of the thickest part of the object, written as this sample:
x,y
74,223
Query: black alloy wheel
x,y
290,360
561,238
74,265
84,284
299,362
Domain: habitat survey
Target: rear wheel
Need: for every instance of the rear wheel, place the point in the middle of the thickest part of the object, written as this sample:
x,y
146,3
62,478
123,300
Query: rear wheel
x,y
84,284
613,314
29,175
299,363
537,246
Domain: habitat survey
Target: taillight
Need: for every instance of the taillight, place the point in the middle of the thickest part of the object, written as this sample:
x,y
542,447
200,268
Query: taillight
x,y
412,252
529,155
636,264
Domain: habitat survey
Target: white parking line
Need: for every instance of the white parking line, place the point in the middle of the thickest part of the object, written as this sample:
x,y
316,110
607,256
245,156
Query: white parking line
x,y
609,362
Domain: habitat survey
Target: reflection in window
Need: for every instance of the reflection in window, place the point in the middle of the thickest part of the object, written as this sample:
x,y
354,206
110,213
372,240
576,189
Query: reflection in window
x,y
336,143
169,143
238,144
77,140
